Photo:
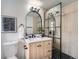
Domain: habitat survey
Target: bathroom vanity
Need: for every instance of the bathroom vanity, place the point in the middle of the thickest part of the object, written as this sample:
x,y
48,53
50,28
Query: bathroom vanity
x,y
38,48
37,45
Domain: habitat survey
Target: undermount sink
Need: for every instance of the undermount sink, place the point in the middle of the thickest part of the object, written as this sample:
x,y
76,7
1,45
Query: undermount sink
x,y
30,40
33,36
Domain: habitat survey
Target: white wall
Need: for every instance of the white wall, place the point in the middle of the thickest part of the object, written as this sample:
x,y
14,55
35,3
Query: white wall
x,y
70,30
15,8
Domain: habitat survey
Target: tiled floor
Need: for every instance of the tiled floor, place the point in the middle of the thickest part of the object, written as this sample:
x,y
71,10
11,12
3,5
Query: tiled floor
x,y
56,55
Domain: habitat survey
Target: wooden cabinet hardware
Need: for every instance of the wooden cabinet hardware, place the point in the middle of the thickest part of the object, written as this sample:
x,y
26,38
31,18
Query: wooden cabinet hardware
x,y
48,43
25,47
39,45
49,50
48,57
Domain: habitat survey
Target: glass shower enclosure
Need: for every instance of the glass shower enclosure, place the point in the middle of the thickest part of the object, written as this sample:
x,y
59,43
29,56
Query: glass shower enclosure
x,y
53,29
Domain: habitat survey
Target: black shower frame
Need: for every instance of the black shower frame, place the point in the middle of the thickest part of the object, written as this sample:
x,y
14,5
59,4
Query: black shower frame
x,y
60,29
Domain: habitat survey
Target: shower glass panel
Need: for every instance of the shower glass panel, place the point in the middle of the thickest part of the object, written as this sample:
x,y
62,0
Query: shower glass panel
x,y
53,28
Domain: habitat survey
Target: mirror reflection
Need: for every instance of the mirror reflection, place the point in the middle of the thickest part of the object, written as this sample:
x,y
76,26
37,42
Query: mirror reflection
x,y
33,23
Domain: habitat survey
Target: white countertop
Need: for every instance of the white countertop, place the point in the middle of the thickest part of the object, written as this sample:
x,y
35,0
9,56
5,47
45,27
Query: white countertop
x,y
31,40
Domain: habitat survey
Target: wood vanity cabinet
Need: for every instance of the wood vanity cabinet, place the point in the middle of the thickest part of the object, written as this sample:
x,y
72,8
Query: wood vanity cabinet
x,y
39,50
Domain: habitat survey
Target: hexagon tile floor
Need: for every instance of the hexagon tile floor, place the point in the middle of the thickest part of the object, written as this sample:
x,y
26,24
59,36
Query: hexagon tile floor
x,y
56,55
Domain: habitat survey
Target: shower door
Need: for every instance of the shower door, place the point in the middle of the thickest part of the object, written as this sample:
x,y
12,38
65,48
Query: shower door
x,y
52,25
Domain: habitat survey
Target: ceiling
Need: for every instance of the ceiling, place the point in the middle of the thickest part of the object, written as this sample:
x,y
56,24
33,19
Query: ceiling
x,y
49,3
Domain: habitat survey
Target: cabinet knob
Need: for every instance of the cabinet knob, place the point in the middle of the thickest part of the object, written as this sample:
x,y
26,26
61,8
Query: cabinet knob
x,y
48,43
25,47
49,50
49,58
39,45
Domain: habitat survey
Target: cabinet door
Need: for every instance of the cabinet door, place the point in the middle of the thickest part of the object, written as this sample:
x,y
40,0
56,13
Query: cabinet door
x,y
32,51
39,50
36,51
47,49
26,50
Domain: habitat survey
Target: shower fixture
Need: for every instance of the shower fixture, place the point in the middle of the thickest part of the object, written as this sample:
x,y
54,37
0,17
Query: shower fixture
x,y
56,13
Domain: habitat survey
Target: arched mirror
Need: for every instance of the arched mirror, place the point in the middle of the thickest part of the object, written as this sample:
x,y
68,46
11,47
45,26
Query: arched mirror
x,y
33,23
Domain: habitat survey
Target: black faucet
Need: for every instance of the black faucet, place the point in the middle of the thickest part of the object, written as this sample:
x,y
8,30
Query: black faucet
x,y
33,35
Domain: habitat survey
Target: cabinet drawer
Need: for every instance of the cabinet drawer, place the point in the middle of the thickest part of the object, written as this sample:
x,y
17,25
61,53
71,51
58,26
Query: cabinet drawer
x,y
49,52
36,44
47,48
48,57
36,51
48,44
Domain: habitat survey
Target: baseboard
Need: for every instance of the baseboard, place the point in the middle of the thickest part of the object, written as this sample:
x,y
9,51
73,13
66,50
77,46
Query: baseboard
x,y
68,55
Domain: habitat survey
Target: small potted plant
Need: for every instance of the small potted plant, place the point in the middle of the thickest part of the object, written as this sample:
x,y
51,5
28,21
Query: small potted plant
x,y
40,30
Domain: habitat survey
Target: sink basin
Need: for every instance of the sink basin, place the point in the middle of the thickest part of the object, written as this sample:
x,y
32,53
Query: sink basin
x,y
31,40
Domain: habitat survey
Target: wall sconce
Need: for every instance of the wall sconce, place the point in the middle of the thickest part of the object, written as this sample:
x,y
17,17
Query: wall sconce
x,y
34,9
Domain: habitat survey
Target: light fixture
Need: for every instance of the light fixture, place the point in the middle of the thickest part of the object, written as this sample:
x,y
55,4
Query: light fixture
x,y
34,9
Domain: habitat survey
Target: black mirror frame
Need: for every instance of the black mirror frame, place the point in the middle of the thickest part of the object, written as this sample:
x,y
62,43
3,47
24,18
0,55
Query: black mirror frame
x,y
38,15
